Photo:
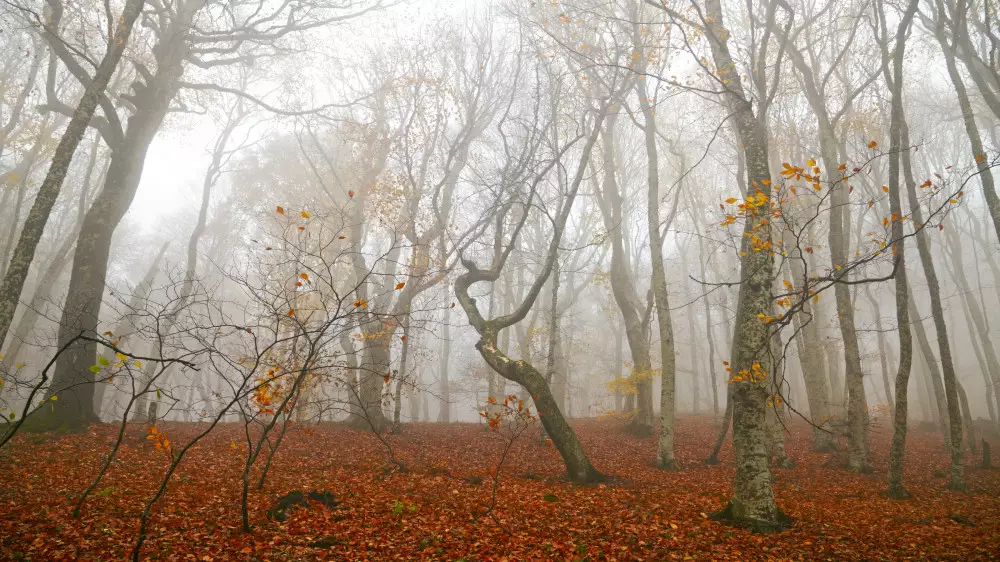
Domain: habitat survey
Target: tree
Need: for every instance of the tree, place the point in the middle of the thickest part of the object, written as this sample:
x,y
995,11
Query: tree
x,y
184,36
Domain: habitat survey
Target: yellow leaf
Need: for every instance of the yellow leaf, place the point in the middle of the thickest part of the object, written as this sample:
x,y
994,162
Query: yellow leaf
x,y
138,364
810,162
305,214
19,365
54,398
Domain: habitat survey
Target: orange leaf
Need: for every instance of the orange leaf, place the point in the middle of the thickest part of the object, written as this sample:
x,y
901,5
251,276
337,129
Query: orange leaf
x,y
304,276
281,210
400,285
350,194
291,312
305,214
885,188
731,200
872,144
842,168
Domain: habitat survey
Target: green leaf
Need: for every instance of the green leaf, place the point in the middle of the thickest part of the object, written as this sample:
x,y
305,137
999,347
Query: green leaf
x,y
12,416
95,368
550,498
157,393
103,361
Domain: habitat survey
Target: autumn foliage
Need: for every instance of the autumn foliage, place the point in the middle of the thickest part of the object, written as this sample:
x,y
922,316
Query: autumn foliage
x,y
432,509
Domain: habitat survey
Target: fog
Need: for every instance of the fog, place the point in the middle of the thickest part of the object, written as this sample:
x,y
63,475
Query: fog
x,y
773,216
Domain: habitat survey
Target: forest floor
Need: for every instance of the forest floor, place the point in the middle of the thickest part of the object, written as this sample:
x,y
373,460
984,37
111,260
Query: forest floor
x,y
433,509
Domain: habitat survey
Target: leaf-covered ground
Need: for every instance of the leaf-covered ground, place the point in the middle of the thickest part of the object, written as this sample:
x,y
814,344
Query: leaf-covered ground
x,y
433,509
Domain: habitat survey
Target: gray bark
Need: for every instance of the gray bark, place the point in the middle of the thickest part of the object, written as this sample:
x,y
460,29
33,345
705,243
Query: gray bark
x,y
45,199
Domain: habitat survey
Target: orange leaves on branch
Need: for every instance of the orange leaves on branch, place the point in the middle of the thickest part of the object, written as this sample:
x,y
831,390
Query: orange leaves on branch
x,y
159,439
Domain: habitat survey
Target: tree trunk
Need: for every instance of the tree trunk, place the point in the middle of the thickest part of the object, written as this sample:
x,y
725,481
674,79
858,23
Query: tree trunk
x,y
883,349
444,414
933,371
402,376
752,503
45,199
713,377
897,449
623,287
668,361
811,359
978,318
73,381
969,119
984,367
953,408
